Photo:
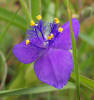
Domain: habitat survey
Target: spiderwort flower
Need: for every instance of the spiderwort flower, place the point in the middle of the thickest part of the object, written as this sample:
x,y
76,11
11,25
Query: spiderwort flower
x,y
48,47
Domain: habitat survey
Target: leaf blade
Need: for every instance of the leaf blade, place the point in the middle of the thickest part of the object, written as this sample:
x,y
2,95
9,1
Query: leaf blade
x,y
84,81
7,16
35,90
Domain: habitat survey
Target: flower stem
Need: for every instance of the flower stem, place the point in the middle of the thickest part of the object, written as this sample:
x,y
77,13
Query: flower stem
x,y
49,96
56,8
26,12
30,8
4,32
76,69
4,72
40,7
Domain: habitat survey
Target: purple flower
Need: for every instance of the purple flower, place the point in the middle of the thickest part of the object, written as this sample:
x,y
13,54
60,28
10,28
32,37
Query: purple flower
x,y
48,45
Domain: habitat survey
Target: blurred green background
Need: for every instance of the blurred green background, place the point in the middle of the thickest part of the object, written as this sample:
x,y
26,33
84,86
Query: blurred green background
x,y
14,20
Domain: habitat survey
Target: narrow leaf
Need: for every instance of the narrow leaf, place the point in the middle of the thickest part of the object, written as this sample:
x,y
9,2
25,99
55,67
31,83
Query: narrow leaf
x,y
84,81
5,70
26,11
2,35
34,90
76,68
35,8
7,16
87,39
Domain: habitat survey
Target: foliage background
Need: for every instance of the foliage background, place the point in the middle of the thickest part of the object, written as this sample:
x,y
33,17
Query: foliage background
x,y
14,19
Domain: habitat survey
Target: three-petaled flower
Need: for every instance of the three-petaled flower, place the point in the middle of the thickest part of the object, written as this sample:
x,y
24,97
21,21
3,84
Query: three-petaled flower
x,y
48,47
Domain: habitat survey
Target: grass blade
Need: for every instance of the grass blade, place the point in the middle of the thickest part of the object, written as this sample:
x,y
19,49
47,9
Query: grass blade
x,y
34,90
5,70
2,35
30,8
26,11
7,16
56,7
35,8
87,39
76,70
84,81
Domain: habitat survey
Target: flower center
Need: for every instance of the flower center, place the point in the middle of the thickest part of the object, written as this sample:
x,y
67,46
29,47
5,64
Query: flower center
x,y
44,33
50,37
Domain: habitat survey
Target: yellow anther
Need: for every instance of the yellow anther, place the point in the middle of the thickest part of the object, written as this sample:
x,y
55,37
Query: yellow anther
x,y
32,23
39,17
56,20
50,37
27,42
60,29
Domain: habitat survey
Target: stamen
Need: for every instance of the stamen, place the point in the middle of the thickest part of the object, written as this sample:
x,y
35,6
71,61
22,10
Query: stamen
x,y
50,37
56,20
32,23
60,29
39,17
27,42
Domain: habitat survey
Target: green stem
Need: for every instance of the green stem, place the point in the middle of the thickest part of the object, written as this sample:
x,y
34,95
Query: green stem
x,y
56,8
40,7
30,7
76,69
49,96
5,70
2,35
26,12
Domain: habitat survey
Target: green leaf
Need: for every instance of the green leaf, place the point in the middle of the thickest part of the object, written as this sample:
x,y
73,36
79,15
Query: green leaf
x,y
87,39
5,70
30,77
7,16
34,90
84,81
26,11
56,8
35,8
49,11
75,62
2,35
17,82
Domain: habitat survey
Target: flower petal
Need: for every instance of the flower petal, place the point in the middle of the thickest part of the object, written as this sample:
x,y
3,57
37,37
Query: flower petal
x,y
63,41
27,53
54,67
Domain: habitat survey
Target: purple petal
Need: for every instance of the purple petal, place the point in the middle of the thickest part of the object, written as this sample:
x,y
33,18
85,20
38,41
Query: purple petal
x,y
63,41
27,53
54,67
